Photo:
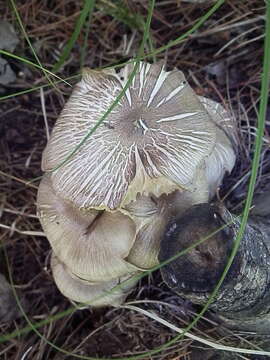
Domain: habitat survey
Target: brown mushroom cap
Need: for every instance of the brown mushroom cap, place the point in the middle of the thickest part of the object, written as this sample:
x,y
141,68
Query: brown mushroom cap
x,y
92,244
152,142
94,295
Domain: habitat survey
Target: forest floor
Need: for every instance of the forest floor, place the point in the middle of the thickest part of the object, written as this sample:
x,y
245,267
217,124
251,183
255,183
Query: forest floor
x,y
222,61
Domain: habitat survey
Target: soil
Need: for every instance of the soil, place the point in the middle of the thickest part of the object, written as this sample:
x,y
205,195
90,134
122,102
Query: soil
x,y
222,61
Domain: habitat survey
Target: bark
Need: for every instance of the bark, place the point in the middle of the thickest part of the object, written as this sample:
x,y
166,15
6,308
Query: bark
x,y
243,301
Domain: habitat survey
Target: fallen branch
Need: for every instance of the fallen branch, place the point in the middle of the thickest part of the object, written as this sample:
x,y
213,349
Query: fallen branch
x,y
243,301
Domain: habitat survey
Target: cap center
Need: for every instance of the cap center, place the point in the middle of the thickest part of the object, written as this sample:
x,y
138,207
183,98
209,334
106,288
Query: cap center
x,y
141,124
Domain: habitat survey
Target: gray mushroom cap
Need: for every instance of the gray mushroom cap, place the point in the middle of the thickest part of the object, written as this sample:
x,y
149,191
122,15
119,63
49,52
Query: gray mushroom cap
x,y
94,245
112,292
223,156
150,215
152,142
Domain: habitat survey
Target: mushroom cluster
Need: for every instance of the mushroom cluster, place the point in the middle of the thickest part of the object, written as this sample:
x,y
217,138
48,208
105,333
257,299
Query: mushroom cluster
x,y
161,150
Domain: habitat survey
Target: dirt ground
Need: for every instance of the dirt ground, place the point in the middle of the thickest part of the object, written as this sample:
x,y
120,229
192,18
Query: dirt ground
x,y
222,60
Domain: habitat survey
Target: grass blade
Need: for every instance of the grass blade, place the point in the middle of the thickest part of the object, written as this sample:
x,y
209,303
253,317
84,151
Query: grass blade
x,y
26,61
26,91
86,12
254,169
13,5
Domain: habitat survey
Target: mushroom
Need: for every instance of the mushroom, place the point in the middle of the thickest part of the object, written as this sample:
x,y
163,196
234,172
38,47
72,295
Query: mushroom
x,y
160,150
152,142
111,292
223,156
150,216
93,244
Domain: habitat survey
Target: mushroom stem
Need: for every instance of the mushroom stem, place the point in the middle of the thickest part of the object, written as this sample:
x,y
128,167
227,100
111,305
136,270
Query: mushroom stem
x,y
244,297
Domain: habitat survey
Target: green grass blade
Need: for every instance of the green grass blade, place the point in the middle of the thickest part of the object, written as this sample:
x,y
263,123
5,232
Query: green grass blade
x,y
195,27
20,332
119,10
14,8
22,92
119,96
138,58
86,12
255,165
28,62
85,40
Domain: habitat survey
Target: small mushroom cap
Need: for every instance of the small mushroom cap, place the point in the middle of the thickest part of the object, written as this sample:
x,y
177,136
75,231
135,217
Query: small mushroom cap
x,y
94,295
152,142
179,202
150,215
92,244
223,156
144,253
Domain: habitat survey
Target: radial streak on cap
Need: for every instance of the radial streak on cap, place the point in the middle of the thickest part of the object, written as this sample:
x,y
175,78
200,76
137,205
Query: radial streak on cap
x,y
134,139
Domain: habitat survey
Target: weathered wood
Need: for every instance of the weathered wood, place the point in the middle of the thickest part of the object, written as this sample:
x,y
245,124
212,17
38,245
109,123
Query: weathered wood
x,y
243,301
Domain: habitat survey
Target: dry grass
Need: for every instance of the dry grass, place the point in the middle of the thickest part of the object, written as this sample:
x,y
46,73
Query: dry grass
x,y
223,61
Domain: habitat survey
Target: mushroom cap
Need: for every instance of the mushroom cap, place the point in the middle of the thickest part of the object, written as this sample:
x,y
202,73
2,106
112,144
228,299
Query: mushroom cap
x,y
150,215
92,244
152,141
223,156
144,253
161,150
179,202
95,295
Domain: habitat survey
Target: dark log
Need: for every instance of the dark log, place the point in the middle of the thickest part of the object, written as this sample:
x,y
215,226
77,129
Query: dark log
x,y
243,301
